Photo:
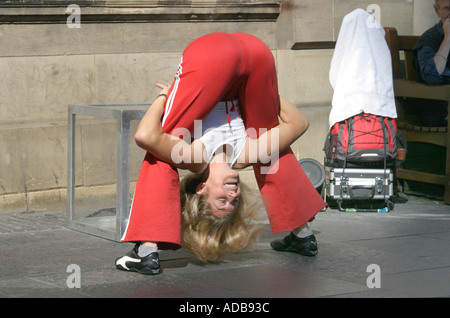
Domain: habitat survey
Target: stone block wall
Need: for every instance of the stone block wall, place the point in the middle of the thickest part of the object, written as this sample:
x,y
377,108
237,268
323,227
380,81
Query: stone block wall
x,y
120,50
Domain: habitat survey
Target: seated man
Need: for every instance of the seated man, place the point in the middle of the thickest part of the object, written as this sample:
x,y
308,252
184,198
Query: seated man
x,y
432,49
431,54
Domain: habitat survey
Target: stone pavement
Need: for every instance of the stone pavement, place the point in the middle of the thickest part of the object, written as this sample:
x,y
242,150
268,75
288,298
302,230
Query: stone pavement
x,y
404,253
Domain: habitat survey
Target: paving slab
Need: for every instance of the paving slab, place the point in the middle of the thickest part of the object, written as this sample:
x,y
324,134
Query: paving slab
x,y
410,247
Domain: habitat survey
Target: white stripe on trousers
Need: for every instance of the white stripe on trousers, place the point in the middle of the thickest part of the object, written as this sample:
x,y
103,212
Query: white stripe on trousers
x,y
171,98
169,105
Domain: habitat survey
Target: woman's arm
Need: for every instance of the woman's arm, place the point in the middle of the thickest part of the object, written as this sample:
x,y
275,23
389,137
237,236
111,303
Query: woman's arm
x,y
294,124
151,137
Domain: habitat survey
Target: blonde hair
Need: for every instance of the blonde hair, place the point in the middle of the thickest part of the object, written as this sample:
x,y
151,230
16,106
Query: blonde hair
x,y
208,237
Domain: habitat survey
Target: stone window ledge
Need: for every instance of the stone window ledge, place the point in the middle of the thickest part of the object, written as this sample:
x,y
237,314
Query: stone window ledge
x,y
47,11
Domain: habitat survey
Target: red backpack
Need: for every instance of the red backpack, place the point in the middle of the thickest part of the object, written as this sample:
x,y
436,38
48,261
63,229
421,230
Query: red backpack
x,y
362,140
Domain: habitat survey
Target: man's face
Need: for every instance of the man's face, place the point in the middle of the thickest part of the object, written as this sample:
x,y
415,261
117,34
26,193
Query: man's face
x,y
443,10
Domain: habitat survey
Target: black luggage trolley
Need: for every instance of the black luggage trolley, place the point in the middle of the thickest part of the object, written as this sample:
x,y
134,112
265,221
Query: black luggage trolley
x,y
359,189
358,185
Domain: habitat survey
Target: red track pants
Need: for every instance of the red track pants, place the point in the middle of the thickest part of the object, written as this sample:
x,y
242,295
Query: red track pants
x,y
214,67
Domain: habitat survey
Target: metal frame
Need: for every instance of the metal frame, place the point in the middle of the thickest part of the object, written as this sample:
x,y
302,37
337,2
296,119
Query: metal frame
x,y
107,227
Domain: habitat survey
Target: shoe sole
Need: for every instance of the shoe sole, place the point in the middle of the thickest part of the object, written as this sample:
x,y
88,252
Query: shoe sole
x,y
292,250
309,253
144,271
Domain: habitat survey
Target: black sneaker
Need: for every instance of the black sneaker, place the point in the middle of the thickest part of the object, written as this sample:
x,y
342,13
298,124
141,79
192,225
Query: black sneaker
x,y
132,262
304,246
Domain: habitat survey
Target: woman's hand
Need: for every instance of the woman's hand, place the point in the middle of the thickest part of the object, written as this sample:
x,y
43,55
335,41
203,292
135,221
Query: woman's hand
x,y
164,88
149,132
151,137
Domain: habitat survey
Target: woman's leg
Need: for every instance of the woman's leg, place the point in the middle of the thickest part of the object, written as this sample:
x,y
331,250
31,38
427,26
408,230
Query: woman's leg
x,y
205,75
290,198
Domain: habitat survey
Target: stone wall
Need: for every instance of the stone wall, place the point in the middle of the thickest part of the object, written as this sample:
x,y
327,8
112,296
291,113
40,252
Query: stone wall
x,y
120,49
306,32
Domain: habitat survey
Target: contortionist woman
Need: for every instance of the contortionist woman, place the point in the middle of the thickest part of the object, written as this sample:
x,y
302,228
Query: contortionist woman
x,y
227,83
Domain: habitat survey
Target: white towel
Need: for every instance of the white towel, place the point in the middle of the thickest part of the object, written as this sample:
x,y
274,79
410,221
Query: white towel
x,y
361,70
